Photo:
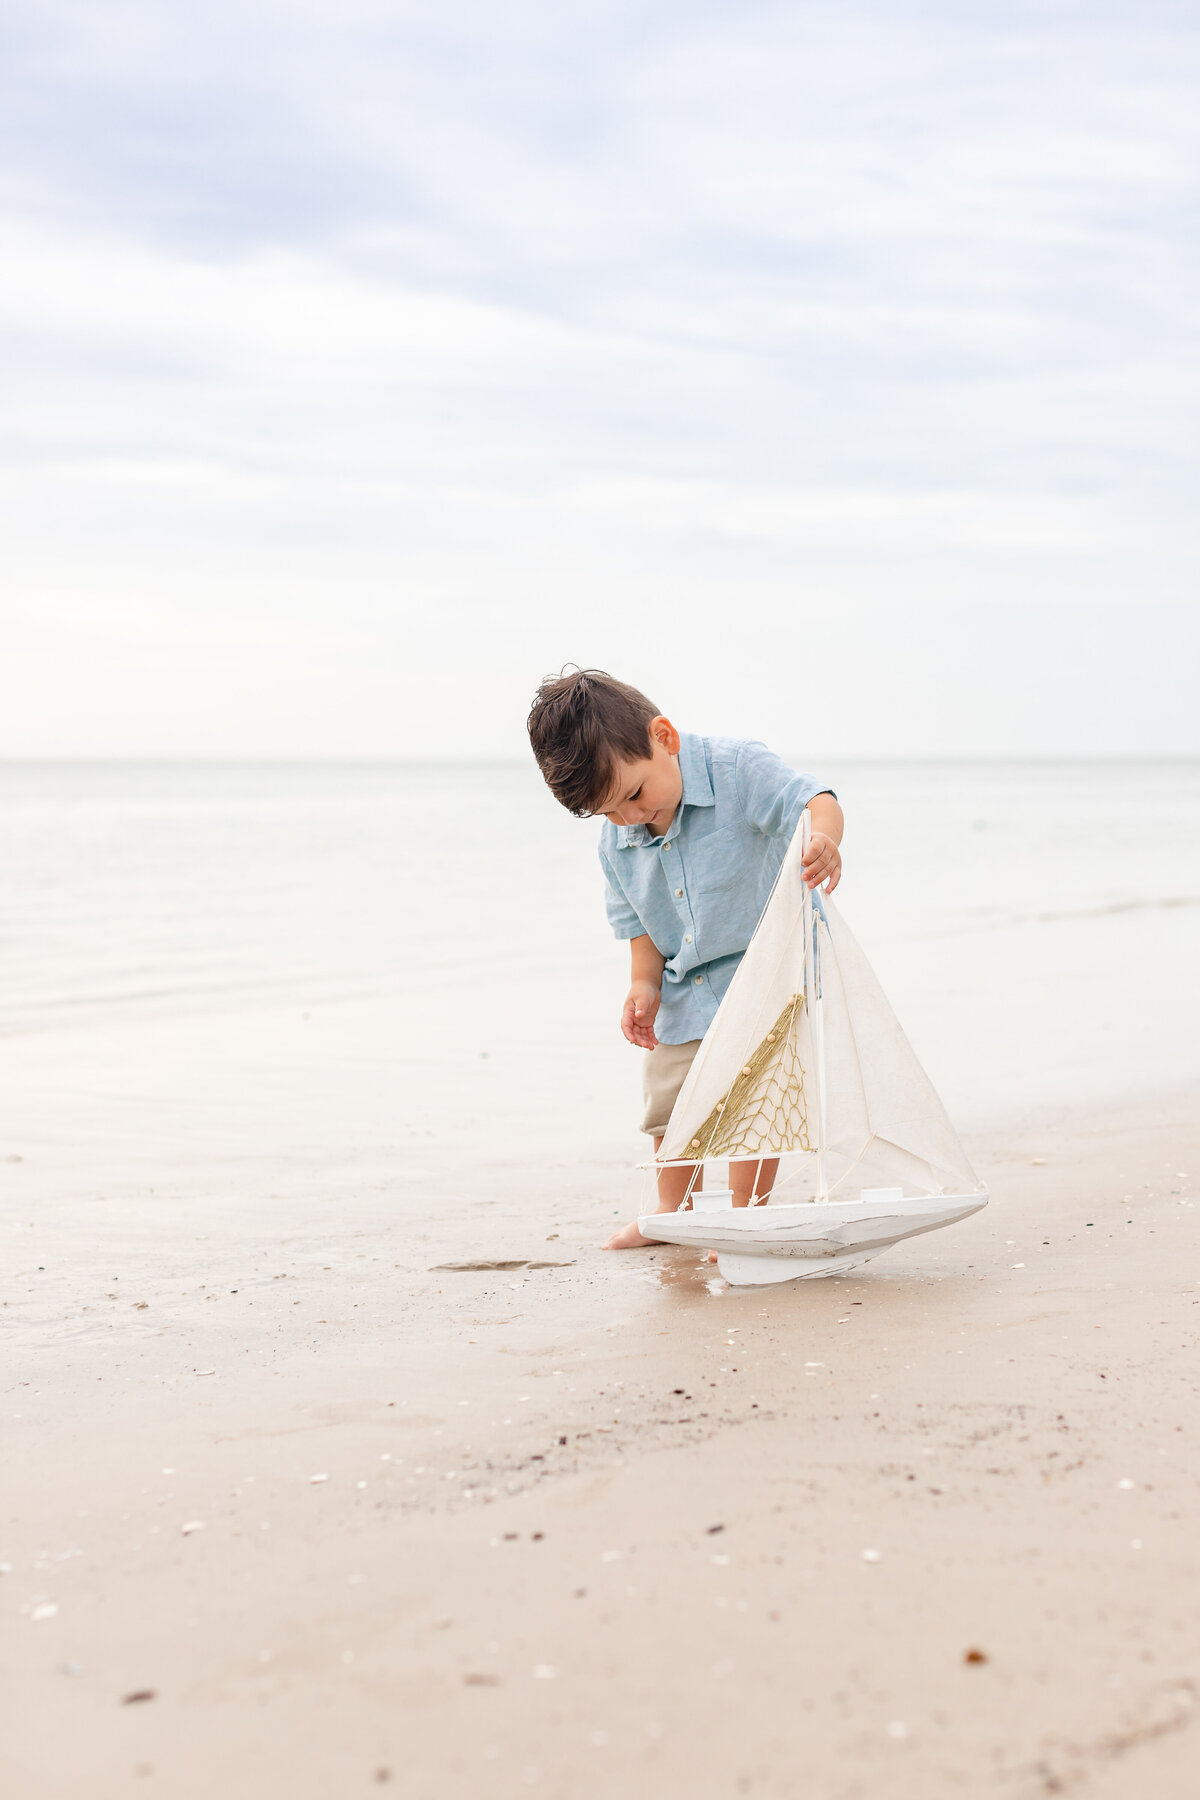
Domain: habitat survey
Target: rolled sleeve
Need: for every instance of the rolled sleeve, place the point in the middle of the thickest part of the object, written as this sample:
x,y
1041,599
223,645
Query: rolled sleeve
x,y
772,796
621,916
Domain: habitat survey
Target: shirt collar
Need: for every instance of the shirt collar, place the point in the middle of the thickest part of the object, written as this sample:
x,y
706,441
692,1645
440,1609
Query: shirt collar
x,y
697,791
693,766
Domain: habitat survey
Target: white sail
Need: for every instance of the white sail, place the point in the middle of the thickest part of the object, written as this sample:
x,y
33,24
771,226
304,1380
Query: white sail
x,y
805,1058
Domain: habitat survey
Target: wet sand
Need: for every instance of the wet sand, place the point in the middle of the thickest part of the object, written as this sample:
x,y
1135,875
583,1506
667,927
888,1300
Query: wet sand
x,y
589,1524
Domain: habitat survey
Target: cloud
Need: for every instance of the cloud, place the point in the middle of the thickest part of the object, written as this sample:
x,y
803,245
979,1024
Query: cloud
x,y
329,325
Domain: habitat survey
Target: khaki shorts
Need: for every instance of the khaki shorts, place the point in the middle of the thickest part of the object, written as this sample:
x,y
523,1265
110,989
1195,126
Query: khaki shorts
x,y
663,1072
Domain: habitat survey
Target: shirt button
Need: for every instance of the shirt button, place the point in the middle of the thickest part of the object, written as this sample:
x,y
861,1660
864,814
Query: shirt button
x,y
688,938
699,979
679,893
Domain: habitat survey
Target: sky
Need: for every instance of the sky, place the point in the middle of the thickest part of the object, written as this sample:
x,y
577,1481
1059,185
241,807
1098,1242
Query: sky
x,y
828,370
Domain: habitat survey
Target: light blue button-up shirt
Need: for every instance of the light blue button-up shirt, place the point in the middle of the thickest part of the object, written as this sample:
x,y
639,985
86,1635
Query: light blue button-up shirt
x,y
699,890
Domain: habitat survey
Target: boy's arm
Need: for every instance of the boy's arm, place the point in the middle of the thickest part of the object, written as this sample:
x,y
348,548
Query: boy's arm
x,y
647,963
773,796
823,859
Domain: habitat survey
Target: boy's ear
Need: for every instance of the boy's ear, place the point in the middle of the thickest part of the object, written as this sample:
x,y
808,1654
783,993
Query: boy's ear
x,y
663,732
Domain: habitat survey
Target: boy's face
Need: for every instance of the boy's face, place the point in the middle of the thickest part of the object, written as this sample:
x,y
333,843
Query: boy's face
x,y
648,791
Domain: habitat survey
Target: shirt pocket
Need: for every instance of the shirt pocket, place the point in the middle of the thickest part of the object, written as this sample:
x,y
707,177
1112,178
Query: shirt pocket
x,y
724,859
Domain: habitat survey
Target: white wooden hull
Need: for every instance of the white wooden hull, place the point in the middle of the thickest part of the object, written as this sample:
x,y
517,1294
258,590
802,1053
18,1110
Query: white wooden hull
x,y
757,1245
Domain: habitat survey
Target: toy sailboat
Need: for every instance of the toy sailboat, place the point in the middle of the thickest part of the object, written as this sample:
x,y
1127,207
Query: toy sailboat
x,y
806,1062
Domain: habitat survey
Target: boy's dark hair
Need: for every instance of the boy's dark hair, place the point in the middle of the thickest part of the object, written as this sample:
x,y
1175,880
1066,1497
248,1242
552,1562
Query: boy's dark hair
x,y
580,726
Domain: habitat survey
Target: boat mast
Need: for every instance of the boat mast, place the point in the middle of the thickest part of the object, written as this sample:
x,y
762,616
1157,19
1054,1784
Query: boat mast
x,y
816,1018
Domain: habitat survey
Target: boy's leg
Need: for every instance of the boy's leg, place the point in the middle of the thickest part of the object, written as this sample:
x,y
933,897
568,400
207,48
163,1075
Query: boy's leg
x,y
752,1180
663,1072
674,1185
676,1182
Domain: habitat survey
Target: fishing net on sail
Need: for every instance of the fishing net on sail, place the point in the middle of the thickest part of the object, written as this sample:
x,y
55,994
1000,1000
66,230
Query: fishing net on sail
x,y
765,1108
806,1060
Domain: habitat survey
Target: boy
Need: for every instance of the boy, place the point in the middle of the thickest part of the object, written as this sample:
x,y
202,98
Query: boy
x,y
696,831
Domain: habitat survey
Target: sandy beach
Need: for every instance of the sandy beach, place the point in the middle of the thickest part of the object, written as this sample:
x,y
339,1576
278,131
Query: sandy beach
x,y
291,1506
584,1524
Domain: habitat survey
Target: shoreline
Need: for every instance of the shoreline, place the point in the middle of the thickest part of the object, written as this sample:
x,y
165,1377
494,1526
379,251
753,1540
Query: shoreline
x,y
971,1406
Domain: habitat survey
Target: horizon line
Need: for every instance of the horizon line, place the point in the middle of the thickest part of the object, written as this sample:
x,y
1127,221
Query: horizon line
x,y
143,759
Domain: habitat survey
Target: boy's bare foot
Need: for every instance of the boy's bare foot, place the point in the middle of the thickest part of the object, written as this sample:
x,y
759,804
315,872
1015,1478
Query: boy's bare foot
x,y
628,1238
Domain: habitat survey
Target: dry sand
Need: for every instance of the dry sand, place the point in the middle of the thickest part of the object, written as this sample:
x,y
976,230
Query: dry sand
x,y
605,1526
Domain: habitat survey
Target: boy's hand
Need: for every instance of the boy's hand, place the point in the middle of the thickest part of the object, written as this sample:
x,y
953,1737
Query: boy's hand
x,y
639,1013
822,862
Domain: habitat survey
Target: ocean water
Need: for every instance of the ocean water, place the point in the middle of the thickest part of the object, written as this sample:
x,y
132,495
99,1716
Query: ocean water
x,y
202,963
